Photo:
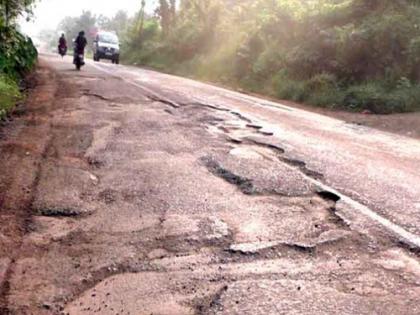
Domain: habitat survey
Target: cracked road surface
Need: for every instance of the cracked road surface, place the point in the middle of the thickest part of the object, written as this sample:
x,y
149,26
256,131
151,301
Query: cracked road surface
x,y
125,191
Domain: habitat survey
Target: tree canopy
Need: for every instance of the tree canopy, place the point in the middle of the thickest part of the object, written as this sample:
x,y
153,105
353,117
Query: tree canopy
x,y
11,9
337,53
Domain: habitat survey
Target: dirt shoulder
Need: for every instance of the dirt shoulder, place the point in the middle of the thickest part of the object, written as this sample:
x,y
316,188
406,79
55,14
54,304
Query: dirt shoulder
x,y
23,141
405,124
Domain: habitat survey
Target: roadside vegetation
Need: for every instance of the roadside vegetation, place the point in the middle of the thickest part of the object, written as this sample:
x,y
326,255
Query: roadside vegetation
x,y
342,54
17,53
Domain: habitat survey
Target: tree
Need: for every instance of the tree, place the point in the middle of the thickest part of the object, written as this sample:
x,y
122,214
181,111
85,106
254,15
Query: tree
x,y
167,14
86,22
17,52
118,23
11,9
140,19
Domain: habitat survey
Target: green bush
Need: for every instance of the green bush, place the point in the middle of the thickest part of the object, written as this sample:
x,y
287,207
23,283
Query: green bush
x,y
369,95
287,88
376,98
17,56
17,52
320,82
9,94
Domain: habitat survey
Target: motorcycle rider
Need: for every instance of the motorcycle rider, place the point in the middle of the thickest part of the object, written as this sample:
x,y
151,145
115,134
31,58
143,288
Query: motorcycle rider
x,y
62,45
79,45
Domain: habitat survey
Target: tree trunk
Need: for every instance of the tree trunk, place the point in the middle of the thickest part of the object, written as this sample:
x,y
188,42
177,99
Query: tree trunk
x,y
167,12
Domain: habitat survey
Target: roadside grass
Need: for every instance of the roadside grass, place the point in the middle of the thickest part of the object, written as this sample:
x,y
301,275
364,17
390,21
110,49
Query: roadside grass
x,y
377,96
9,95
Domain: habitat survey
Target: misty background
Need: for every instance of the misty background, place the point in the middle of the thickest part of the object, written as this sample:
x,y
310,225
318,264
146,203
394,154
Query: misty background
x,y
49,13
356,55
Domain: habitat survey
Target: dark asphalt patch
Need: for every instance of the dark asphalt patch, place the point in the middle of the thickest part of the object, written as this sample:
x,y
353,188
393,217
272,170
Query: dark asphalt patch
x,y
269,145
163,101
254,126
234,140
328,195
212,120
98,96
266,133
57,212
206,105
244,184
242,117
303,168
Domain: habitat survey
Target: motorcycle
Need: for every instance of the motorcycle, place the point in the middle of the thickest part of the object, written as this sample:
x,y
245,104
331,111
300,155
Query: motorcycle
x,y
79,52
62,51
79,60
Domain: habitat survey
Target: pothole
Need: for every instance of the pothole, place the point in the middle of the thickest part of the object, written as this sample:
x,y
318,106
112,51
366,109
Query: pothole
x,y
327,195
240,116
244,184
329,236
61,212
254,126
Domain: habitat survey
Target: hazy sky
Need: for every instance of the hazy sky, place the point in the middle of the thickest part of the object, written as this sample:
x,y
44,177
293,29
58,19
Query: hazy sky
x,y
48,13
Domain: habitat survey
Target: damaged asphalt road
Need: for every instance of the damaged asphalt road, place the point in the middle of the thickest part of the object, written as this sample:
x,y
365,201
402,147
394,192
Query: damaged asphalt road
x,y
116,199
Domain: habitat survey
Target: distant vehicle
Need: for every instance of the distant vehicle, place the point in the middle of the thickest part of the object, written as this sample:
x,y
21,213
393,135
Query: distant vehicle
x,y
106,46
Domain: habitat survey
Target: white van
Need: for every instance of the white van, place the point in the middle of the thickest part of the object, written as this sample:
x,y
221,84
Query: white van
x,y
106,46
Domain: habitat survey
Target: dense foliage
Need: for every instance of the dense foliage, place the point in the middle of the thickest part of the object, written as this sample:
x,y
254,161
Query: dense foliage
x,y
17,53
353,54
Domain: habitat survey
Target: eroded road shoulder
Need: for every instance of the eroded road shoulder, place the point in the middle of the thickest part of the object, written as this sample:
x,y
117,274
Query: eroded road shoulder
x,y
23,144
139,207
